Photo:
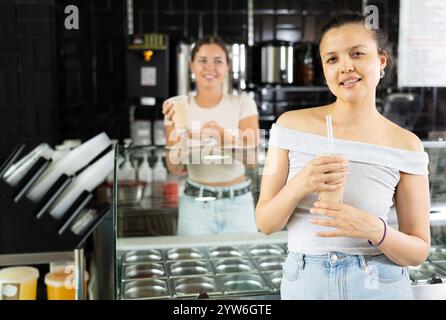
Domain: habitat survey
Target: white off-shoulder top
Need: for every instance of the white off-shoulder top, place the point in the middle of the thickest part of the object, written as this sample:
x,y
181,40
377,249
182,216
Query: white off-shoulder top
x,y
374,173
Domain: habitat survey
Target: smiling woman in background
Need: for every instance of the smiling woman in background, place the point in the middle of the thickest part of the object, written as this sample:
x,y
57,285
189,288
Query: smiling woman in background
x,y
346,250
230,120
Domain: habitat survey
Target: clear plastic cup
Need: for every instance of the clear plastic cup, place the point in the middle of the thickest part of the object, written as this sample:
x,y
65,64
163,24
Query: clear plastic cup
x,y
181,116
18,283
332,196
61,285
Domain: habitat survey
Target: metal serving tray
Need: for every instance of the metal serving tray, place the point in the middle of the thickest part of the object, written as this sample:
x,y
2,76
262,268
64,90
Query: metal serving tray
x,y
185,254
145,289
276,278
440,264
266,250
437,253
234,265
426,272
143,270
191,267
243,283
221,271
225,252
142,256
272,263
193,286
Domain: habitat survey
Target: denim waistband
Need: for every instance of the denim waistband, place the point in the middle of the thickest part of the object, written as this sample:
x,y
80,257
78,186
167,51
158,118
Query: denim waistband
x,y
332,258
237,186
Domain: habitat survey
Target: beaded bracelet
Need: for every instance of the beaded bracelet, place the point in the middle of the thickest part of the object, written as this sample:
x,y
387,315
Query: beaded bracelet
x,y
384,235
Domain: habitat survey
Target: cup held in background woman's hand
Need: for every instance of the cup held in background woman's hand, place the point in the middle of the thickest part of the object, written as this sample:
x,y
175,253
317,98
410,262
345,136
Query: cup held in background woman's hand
x,y
336,195
181,116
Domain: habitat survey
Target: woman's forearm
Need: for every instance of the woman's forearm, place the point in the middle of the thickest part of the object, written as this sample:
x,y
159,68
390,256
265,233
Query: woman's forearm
x,y
403,249
273,215
174,152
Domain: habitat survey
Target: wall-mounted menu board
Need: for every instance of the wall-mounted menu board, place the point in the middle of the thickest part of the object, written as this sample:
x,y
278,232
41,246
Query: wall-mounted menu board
x,y
422,43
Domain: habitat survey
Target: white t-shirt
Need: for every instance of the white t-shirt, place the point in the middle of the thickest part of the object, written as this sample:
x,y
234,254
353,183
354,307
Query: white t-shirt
x,y
227,113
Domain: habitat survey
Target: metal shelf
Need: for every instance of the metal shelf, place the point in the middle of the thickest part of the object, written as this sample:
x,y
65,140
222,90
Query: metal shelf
x,y
35,258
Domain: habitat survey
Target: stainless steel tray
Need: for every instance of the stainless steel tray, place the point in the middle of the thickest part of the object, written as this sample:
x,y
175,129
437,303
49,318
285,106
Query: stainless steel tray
x,y
142,256
143,270
272,263
225,252
223,271
276,278
437,253
193,286
243,283
234,265
145,289
440,264
191,267
185,254
266,250
426,272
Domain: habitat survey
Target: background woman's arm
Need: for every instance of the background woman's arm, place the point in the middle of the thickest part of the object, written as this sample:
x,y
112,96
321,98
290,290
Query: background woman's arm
x,y
249,141
173,156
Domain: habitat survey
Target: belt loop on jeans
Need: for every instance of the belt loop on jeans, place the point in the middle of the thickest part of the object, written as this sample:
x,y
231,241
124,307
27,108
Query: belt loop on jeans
x,y
231,193
300,257
362,262
200,193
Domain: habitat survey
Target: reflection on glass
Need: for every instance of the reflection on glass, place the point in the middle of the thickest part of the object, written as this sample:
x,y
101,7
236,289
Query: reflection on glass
x,y
173,204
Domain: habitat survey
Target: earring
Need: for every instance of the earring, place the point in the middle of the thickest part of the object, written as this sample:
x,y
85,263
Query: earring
x,y
382,73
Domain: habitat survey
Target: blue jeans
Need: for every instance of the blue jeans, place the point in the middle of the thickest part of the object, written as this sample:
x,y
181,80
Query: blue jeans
x,y
338,276
227,215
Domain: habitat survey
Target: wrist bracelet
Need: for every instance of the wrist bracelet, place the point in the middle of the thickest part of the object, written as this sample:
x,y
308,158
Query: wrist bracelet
x,y
384,235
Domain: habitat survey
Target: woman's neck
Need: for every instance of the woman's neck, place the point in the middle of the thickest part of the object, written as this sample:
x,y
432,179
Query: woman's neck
x,y
355,115
208,98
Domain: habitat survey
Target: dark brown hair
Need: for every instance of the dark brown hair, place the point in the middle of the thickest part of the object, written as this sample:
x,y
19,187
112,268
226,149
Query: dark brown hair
x,y
379,35
210,40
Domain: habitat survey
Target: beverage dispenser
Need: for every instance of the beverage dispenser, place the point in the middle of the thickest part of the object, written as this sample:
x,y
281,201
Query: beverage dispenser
x,y
147,81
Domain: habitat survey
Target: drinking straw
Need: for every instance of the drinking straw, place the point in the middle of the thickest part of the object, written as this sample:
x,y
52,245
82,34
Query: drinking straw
x,y
329,133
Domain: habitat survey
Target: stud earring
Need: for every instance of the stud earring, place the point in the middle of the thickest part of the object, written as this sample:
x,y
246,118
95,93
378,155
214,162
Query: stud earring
x,y
382,73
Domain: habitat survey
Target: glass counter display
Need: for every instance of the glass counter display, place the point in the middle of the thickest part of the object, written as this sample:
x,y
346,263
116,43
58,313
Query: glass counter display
x,y
153,262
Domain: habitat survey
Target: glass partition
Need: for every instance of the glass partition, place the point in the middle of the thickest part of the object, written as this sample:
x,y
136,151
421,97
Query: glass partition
x,y
155,262
148,196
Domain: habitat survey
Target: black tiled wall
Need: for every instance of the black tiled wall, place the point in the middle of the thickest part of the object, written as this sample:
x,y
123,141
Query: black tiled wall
x,y
28,85
91,69
57,84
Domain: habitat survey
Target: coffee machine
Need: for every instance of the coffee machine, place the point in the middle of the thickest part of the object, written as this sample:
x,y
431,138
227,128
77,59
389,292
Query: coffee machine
x,y
147,83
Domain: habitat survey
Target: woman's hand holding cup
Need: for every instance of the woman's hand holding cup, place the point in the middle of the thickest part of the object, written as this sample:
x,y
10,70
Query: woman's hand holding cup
x,y
168,111
322,174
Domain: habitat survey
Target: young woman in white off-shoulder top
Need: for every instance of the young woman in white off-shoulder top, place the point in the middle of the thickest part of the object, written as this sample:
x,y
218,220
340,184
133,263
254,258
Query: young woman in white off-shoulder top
x,y
346,250
217,196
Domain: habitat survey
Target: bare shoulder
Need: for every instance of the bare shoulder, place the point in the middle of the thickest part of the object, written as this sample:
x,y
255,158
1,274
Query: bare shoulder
x,y
404,139
301,120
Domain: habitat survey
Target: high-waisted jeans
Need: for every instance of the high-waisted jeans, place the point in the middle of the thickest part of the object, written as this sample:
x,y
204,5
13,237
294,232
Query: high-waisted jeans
x,y
220,216
336,276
